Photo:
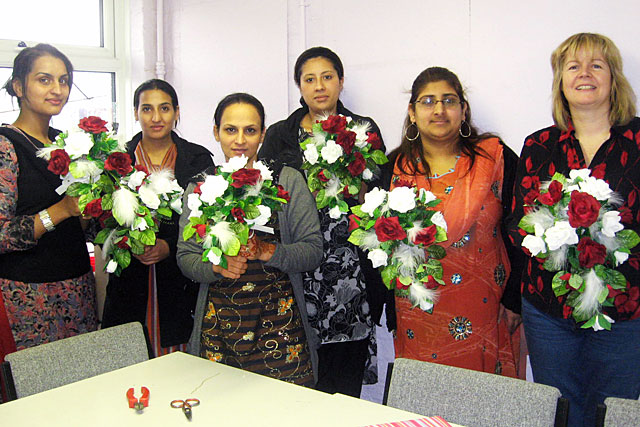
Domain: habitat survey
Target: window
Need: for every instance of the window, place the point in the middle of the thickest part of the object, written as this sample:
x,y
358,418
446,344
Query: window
x,y
93,34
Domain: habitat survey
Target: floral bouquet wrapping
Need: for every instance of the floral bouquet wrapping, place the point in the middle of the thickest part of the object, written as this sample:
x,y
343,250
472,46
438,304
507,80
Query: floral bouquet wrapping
x,y
572,224
400,233
128,203
225,205
339,156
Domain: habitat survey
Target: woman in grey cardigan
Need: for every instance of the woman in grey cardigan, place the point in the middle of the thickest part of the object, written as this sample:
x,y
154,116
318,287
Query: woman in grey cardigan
x,y
252,314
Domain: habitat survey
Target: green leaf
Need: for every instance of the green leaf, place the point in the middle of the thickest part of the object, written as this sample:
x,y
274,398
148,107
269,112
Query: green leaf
x,y
379,157
576,281
354,189
343,206
148,237
615,279
436,251
102,236
589,322
441,235
251,212
78,188
405,280
107,202
189,230
628,238
558,285
604,293
389,273
232,247
321,199
357,236
166,212
136,246
526,225
357,211
122,257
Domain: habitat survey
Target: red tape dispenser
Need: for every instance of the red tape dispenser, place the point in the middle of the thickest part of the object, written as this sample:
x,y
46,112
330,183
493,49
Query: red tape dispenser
x,y
138,404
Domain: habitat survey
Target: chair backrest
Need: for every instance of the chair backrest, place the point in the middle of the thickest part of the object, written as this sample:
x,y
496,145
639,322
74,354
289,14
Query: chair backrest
x,y
621,412
61,362
467,397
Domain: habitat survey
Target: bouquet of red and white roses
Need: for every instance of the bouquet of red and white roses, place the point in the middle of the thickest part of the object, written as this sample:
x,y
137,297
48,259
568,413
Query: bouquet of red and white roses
x,y
573,225
400,232
339,155
227,204
128,202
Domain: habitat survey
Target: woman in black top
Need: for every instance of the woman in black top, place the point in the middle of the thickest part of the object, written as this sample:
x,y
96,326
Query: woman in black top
x,y
339,292
152,290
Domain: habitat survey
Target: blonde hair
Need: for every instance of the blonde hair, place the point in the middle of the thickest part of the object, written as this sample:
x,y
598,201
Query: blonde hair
x,y
622,99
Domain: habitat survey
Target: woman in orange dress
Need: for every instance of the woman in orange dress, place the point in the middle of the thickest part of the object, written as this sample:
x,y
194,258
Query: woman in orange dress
x,y
474,319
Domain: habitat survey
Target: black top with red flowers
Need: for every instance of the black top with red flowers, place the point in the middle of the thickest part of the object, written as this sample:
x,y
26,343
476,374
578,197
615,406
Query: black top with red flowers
x,y
617,161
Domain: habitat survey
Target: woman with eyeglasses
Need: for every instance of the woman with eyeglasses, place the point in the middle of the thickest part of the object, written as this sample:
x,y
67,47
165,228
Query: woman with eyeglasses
x,y
475,317
152,290
46,283
594,111
344,294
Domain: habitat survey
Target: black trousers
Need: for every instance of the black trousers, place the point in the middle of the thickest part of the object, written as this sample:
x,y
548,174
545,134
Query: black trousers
x,y
341,367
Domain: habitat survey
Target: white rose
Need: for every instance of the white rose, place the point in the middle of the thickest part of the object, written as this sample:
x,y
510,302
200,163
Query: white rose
x,y
78,144
213,258
311,154
265,215
335,212
596,187
425,305
111,266
234,164
213,187
438,219
402,199
194,203
373,199
176,205
331,152
136,178
367,174
378,257
427,195
560,234
140,224
621,257
611,223
265,173
534,244
596,326
579,173
149,197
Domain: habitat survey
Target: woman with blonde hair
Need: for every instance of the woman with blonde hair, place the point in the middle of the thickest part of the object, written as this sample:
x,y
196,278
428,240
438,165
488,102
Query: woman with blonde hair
x,y
596,128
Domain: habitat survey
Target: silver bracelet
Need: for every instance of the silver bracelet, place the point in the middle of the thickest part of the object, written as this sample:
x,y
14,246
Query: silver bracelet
x,y
46,220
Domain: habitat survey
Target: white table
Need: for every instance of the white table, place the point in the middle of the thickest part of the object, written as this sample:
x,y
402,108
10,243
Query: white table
x,y
228,396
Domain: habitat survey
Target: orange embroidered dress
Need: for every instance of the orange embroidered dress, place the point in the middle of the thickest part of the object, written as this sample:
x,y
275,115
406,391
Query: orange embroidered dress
x,y
463,329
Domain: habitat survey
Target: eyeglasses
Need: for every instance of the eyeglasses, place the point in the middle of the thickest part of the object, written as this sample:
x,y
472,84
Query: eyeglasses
x,y
430,102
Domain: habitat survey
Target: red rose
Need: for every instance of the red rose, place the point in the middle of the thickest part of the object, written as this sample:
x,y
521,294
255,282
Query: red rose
x,y
122,243
591,253
356,167
142,168
245,177
59,162
94,208
346,140
554,194
426,236
353,222
389,229
627,302
104,217
345,192
583,209
238,214
531,197
374,140
93,124
197,190
322,177
399,284
431,284
283,194
119,162
565,276
201,229
334,124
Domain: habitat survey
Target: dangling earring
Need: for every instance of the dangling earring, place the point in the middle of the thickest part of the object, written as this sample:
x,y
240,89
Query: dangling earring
x,y
464,122
406,131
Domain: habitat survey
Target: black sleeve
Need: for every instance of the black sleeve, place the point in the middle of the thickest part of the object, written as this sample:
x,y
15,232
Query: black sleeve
x,y
517,258
271,145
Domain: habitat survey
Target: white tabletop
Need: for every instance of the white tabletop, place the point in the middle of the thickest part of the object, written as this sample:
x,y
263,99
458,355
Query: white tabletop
x,y
228,396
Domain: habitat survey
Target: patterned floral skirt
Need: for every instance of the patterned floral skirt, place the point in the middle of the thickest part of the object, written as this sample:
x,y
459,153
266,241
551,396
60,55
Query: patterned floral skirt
x,y
255,325
39,313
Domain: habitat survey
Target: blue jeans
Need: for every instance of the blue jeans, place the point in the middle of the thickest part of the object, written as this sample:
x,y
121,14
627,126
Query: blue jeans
x,y
586,366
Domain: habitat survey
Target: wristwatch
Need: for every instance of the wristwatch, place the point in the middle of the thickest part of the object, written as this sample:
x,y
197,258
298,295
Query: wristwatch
x,y
46,220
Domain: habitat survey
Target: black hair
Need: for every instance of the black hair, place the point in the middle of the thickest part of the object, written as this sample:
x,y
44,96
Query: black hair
x,y
238,98
317,52
23,65
155,84
412,151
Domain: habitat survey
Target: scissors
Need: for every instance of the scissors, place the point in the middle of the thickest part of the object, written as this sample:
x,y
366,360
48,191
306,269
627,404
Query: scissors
x,y
186,406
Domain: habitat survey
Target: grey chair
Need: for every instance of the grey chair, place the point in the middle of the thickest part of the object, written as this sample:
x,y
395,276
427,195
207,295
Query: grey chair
x,y
472,398
618,412
72,359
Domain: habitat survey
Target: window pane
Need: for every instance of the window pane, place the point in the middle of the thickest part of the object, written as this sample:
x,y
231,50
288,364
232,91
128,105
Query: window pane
x,y
91,95
74,22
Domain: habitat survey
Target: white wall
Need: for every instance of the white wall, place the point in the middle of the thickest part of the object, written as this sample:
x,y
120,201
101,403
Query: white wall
x,y
500,49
